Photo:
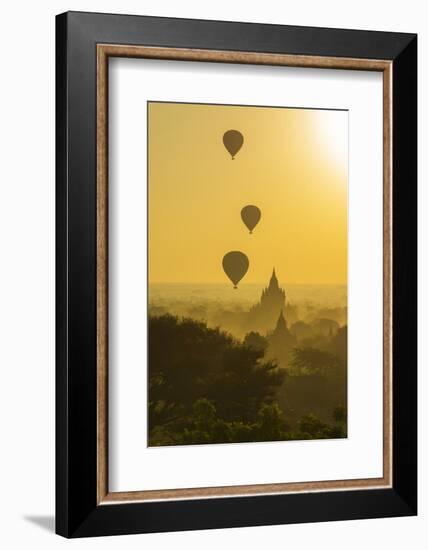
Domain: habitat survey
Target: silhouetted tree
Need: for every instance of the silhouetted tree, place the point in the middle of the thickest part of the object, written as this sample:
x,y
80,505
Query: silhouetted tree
x,y
196,371
255,341
312,426
306,361
339,343
271,426
339,414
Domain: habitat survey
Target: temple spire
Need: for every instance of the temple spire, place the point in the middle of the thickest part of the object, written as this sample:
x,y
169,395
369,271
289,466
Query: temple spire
x,y
273,284
281,323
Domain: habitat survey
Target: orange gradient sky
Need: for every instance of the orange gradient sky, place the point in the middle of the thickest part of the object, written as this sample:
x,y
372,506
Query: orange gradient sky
x,y
293,165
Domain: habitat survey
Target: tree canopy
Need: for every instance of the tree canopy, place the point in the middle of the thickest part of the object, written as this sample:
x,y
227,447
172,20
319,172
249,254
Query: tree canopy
x,y
207,387
189,362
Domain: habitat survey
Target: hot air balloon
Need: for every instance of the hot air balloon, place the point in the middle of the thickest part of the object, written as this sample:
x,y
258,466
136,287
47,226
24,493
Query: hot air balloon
x,y
235,265
251,216
233,141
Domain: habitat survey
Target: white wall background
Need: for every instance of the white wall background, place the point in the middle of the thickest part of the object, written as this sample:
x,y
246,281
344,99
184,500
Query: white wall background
x,y
27,273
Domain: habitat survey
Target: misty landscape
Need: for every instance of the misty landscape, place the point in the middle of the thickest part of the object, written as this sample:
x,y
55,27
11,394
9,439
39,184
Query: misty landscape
x,y
261,364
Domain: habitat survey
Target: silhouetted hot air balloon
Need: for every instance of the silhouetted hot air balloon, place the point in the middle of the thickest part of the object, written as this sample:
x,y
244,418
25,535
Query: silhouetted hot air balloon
x,y
233,141
251,216
235,265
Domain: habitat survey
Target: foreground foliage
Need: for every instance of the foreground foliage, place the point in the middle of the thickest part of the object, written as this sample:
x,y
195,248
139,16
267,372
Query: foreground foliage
x,y
206,387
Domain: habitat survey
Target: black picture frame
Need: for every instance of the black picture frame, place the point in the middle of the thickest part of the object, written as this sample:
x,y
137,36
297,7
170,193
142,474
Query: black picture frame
x,y
77,511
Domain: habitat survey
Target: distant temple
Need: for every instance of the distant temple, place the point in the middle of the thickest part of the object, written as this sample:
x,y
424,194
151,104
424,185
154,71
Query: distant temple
x,y
281,342
267,318
273,297
281,325
263,316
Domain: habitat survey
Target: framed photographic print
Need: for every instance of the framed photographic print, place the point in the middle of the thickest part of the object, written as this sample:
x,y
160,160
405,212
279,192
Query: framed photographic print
x,y
236,274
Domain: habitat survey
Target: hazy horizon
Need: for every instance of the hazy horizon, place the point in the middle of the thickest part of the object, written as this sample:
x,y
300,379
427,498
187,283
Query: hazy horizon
x,y
223,294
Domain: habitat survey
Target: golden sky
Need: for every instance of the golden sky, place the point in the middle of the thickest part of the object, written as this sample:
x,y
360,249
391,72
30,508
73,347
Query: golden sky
x,y
292,165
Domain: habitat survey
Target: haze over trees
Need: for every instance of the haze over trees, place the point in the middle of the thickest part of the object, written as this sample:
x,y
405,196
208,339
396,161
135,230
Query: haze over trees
x,y
205,386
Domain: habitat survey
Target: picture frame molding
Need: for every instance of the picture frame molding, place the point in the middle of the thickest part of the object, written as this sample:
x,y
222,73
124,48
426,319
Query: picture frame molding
x,y
104,53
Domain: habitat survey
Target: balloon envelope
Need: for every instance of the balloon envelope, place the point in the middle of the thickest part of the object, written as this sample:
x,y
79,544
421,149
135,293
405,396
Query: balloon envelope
x,y
251,216
233,141
235,265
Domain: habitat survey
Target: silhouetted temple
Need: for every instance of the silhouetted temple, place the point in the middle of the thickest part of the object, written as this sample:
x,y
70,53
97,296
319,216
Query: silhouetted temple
x,y
280,341
263,316
269,318
281,325
273,297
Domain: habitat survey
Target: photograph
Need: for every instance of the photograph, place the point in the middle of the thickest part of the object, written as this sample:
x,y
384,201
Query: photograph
x,y
247,273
